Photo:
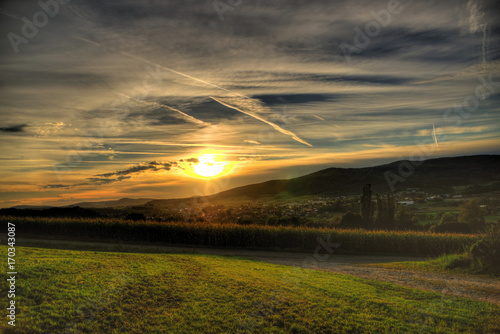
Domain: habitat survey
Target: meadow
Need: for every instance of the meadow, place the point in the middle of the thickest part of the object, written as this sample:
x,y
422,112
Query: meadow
x,y
248,236
62,291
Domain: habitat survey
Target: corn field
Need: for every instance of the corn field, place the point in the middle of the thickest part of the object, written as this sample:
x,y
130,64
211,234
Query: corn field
x,y
245,236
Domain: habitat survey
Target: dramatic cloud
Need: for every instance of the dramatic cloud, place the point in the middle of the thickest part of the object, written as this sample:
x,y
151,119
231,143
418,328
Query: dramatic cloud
x,y
14,128
109,91
149,166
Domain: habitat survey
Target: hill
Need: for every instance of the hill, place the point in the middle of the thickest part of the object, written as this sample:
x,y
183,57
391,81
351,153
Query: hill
x,y
113,204
433,175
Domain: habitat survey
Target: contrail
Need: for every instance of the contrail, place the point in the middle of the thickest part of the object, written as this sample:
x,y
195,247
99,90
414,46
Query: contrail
x,y
144,60
276,127
434,135
252,142
189,117
5,12
185,116
321,118
127,54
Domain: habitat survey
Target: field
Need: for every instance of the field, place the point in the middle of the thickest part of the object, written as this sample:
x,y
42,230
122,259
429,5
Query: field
x,y
61,291
447,206
248,236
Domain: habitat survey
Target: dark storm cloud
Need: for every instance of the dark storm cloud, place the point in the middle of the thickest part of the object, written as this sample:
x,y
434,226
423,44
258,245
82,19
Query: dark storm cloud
x,y
56,186
272,99
91,181
193,160
148,166
100,181
14,128
151,166
425,45
313,78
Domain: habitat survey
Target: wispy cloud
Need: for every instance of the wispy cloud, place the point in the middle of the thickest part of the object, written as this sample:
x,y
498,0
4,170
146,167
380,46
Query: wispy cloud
x,y
251,141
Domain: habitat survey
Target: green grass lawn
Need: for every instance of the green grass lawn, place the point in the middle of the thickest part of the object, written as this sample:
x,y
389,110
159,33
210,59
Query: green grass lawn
x,y
451,263
440,264
61,291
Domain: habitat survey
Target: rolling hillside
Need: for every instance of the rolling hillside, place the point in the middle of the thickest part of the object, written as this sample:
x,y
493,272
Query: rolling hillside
x,y
432,175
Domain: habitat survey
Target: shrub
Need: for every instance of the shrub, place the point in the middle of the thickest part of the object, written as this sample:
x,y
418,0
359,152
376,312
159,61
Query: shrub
x,y
471,213
457,261
448,218
485,253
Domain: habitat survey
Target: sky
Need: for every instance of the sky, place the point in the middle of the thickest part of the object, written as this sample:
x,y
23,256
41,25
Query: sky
x,y
102,100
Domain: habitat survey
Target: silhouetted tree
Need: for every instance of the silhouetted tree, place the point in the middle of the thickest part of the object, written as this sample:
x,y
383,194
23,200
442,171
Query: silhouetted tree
x,y
381,212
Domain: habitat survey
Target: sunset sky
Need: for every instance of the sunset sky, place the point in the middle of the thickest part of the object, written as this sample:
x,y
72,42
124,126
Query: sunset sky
x,y
113,99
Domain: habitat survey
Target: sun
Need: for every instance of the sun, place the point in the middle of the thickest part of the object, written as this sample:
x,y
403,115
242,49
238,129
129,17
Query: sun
x,y
208,167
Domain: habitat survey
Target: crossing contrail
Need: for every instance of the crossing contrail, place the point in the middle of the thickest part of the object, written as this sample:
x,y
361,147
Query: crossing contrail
x,y
275,126
188,117
234,95
161,105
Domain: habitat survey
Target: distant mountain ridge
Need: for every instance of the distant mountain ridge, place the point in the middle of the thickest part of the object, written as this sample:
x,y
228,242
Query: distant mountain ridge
x,y
113,204
437,174
433,174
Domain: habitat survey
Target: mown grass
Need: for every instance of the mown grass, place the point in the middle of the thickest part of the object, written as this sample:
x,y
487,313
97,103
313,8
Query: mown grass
x,y
61,291
247,236
456,263
451,263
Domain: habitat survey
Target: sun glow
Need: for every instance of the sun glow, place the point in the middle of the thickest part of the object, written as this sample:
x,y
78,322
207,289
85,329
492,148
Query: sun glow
x,y
208,167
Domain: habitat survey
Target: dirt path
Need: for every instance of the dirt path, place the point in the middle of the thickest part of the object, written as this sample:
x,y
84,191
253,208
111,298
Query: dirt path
x,y
480,288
